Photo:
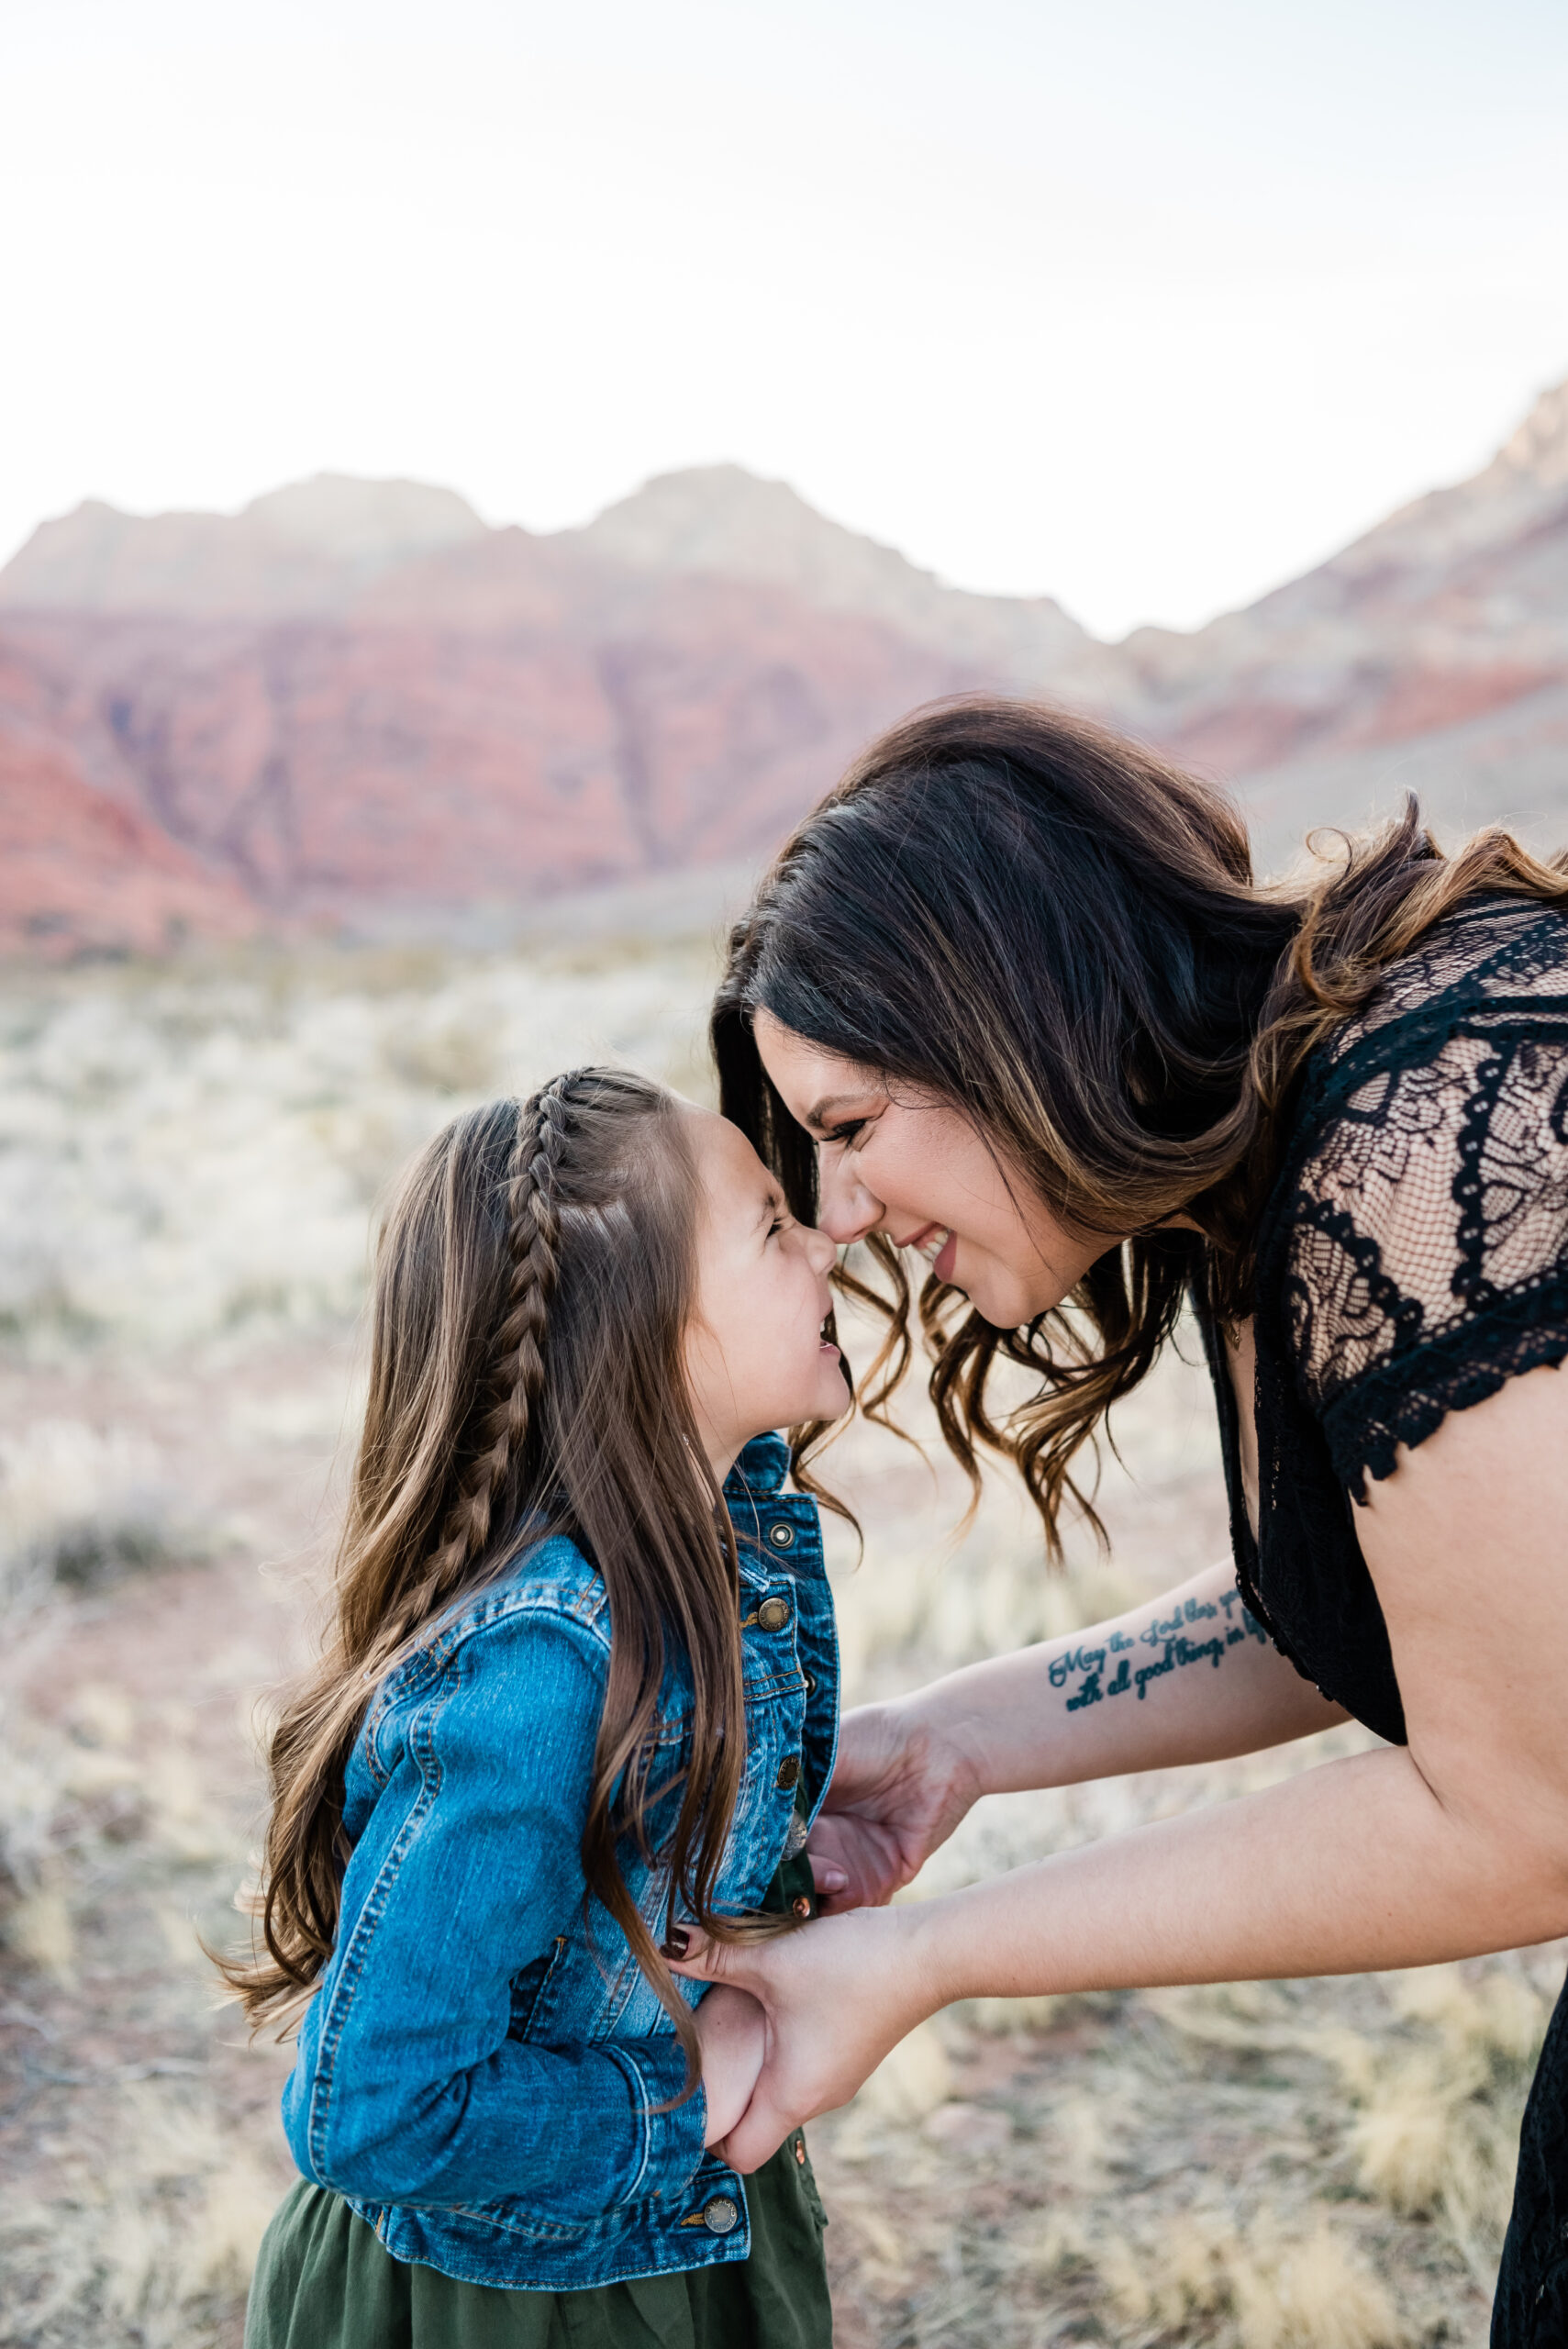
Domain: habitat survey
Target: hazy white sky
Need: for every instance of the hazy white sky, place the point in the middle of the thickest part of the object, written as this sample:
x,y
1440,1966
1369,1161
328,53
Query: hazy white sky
x,y
1144,304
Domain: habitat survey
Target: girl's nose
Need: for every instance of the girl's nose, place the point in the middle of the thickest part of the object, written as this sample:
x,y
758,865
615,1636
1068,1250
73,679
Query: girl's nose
x,y
821,1250
846,1210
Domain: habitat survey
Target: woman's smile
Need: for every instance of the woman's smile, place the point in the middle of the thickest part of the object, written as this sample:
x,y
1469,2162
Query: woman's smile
x,y
938,1242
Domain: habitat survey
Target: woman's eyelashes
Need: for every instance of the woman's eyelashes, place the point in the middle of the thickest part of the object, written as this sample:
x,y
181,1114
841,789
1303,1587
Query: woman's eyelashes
x,y
845,1134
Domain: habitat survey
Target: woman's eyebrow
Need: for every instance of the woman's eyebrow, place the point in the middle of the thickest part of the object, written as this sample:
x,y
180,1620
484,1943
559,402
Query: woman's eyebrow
x,y
821,1112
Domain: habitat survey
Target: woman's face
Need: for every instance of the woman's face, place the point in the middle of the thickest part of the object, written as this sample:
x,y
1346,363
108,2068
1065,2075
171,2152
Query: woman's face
x,y
916,1169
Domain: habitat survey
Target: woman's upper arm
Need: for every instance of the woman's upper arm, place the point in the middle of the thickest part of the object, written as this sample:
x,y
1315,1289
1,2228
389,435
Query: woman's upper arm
x,y
1428,1307
1467,1545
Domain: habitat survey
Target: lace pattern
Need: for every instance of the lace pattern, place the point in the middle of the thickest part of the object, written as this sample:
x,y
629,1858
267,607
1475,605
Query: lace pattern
x,y
1413,1257
1427,1259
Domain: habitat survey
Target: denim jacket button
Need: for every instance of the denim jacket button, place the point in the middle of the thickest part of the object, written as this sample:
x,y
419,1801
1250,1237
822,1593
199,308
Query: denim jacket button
x,y
789,1771
782,1536
720,2213
774,1614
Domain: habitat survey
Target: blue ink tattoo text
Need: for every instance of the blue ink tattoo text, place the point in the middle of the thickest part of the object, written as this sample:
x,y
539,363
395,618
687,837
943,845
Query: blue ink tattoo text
x,y
1171,1635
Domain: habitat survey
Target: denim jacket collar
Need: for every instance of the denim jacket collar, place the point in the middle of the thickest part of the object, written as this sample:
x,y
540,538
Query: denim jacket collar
x,y
759,1471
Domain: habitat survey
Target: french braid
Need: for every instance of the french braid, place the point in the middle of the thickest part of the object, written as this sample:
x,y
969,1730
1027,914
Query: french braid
x,y
510,1401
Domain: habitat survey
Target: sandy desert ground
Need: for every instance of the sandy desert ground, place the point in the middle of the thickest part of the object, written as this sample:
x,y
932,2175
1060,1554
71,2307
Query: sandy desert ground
x,y
188,1157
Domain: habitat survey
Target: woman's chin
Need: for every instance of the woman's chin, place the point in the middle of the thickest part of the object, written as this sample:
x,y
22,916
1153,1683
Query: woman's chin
x,y
1003,1312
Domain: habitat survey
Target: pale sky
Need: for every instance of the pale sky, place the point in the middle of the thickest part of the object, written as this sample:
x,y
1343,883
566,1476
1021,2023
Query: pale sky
x,y
1144,304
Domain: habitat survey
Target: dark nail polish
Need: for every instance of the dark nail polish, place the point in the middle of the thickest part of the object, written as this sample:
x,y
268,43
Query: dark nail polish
x,y
677,1941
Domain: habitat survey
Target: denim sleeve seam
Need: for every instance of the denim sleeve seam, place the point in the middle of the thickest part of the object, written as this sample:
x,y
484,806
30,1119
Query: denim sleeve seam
x,y
585,1633
421,1749
369,1735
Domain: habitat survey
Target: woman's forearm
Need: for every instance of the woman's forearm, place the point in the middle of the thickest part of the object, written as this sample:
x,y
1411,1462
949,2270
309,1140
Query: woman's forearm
x,y
1352,1867
1189,1676
1356,1864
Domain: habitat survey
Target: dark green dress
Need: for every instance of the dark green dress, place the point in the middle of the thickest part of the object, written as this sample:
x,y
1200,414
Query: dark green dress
x,y
324,2280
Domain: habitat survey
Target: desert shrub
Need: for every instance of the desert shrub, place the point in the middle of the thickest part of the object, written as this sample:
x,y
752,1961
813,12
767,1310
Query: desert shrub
x,y
78,1506
186,1155
153,2243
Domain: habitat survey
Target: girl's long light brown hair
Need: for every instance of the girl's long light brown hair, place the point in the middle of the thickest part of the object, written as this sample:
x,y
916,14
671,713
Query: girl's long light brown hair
x,y
1058,932
534,1277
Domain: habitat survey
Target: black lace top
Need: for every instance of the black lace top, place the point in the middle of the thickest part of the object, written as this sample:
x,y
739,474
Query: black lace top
x,y
1413,1255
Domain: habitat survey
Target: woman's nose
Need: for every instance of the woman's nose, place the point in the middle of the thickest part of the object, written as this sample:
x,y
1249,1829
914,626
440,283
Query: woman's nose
x,y
846,1210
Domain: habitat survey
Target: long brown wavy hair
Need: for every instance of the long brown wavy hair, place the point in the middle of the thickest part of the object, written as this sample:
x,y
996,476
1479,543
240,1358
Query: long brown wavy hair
x,y
1058,932
534,1277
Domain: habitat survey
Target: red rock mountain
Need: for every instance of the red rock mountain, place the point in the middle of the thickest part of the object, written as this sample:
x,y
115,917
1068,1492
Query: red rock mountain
x,y
357,703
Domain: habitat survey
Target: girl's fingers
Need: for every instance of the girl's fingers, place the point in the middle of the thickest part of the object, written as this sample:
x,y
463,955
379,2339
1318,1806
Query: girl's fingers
x,y
828,1877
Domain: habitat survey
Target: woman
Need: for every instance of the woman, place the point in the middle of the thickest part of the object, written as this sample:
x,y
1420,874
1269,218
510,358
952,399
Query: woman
x,y
1011,1000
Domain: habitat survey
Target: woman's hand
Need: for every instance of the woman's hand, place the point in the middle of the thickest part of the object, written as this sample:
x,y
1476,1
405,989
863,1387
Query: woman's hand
x,y
731,2034
836,1995
899,1789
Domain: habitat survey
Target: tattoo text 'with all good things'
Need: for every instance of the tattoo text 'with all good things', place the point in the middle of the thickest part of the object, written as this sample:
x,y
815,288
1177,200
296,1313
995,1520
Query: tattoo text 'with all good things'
x,y
1170,1636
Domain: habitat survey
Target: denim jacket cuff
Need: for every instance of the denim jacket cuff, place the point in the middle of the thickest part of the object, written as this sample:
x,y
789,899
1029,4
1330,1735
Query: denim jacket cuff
x,y
670,2147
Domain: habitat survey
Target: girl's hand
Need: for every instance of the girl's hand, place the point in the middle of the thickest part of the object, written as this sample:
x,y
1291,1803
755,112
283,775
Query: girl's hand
x,y
899,1789
838,1996
732,2036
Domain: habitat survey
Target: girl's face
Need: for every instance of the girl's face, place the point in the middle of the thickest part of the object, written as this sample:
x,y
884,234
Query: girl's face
x,y
756,1357
917,1169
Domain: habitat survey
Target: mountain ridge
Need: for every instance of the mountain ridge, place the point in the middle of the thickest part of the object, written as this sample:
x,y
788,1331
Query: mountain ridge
x,y
352,697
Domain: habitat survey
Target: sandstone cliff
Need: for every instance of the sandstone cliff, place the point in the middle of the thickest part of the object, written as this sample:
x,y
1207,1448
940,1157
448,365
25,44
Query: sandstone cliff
x,y
356,703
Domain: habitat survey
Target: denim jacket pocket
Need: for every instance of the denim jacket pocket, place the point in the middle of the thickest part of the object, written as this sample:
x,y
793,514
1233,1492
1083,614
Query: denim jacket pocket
x,y
531,1985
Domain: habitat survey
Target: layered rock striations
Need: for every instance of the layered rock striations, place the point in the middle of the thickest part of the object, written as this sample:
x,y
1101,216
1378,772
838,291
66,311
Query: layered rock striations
x,y
357,703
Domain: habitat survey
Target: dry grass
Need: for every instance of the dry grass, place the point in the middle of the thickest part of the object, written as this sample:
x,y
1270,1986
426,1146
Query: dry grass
x,y
188,1163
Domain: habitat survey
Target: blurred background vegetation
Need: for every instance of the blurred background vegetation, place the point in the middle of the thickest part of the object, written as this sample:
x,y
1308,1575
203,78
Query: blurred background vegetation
x,y
190,1153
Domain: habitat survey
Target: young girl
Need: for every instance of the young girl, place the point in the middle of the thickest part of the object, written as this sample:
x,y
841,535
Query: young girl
x,y
580,1693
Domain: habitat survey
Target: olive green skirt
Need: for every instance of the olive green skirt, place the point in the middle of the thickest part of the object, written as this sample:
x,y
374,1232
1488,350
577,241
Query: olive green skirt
x,y
323,2280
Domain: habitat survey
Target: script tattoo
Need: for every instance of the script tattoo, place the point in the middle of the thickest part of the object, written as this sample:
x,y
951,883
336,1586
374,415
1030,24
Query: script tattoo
x,y
1171,1635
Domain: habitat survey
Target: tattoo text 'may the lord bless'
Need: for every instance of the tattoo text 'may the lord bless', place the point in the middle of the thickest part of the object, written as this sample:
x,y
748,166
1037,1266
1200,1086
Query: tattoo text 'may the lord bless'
x,y
1171,1635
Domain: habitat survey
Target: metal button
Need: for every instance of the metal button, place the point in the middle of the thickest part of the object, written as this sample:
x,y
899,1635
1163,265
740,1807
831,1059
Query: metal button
x,y
800,2151
774,1614
811,1686
789,1771
720,2213
801,1904
782,1536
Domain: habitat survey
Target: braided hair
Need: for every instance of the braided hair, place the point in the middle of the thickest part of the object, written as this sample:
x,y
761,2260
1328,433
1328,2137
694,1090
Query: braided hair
x,y
491,1446
533,1278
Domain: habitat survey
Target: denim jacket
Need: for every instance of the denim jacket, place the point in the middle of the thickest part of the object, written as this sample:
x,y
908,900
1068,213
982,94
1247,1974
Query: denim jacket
x,y
479,2074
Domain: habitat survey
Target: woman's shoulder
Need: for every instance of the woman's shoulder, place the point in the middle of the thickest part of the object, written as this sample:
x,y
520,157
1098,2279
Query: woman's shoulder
x,y
1416,1247
1491,959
